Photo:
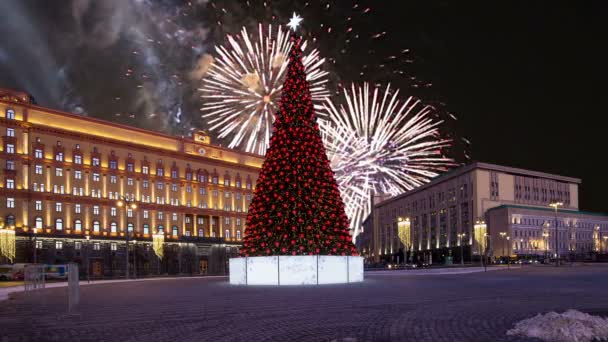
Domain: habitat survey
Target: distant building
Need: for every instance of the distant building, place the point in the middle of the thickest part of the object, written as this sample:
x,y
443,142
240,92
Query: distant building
x,y
63,175
485,210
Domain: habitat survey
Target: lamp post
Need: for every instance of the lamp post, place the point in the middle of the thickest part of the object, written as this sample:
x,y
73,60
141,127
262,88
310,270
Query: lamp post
x,y
88,258
546,236
509,254
556,205
460,236
134,259
35,231
127,203
503,235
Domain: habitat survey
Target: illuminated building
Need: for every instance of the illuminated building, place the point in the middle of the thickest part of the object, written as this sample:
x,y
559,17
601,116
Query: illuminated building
x,y
63,175
472,205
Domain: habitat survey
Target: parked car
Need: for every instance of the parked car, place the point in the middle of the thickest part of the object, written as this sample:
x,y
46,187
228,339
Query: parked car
x,y
56,272
6,272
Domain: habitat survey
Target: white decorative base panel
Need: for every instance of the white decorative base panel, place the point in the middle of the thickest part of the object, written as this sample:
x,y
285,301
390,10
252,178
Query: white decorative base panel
x,y
296,270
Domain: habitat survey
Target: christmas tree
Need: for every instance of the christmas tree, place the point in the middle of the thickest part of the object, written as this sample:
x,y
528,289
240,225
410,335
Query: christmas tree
x,y
296,208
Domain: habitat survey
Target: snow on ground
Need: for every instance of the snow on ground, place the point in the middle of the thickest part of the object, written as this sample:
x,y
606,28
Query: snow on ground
x,y
570,326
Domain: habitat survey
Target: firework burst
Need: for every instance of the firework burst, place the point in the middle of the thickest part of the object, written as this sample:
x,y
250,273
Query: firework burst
x,y
378,143
242,88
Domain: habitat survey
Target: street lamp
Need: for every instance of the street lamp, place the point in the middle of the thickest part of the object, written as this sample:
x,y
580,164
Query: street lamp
x,y
504,238
127,203
556,205
460,237
35,231
134,259
546,236
88,257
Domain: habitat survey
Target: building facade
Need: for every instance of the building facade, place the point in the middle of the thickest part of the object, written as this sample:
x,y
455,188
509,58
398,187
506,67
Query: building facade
x,y
63,175
481,209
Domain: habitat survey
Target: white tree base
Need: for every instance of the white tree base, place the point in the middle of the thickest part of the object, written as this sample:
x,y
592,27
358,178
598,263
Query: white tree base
x,y
296,270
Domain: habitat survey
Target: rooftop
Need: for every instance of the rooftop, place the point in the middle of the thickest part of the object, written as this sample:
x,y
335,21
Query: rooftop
x,y
485,166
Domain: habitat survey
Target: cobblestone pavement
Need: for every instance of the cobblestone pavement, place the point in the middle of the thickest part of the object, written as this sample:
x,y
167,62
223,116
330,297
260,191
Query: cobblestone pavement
x,y
461,307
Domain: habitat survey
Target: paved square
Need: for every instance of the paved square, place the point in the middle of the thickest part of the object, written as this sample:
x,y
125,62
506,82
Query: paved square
x,y
386,307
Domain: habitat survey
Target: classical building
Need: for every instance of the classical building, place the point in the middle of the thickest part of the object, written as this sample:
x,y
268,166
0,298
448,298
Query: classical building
x,y
63,176
489,210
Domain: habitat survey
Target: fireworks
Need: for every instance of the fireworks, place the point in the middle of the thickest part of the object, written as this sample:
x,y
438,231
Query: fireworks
x,y
242,88
378,143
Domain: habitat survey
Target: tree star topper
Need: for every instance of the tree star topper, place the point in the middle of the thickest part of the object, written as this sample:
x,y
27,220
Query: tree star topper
x,y
294,22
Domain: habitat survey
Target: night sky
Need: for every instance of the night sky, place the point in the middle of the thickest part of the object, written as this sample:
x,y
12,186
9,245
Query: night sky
x,y
525,80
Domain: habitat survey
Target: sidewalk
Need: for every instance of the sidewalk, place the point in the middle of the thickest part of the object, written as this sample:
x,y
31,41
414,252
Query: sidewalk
x,y
440,271
6,291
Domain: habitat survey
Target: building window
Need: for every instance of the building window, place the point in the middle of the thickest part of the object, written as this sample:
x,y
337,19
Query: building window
x,y
96,246
238,234
95,210
38,244
248,197
146,228
145,183
95,177
112,211
200,220
130,181
129,212
58,207
10,148
130,167
59,156
113,164
130,227
113,246
226,220
160,215
10,114
38,205
145,170
77,225
38,153
58,172
160,228
174,174
227,235
10,132
173,187
214,180
95,161
77,208
113,179
214,193
77,174
77,159
38,222
10,183
174,230
202,191
58,224
145,214
238,221
113,227
58,244
78,245
38,169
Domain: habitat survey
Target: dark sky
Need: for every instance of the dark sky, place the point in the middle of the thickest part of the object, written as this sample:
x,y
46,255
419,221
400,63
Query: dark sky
x,y
526,79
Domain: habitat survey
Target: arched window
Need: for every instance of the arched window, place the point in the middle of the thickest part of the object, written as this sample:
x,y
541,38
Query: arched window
x,y
58,224
77,225
238,234
38,222
227,235
113,227
130,227
174,229
96,226
160,228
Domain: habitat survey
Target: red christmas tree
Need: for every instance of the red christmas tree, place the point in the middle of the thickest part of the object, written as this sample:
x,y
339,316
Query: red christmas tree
x,y
296,208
